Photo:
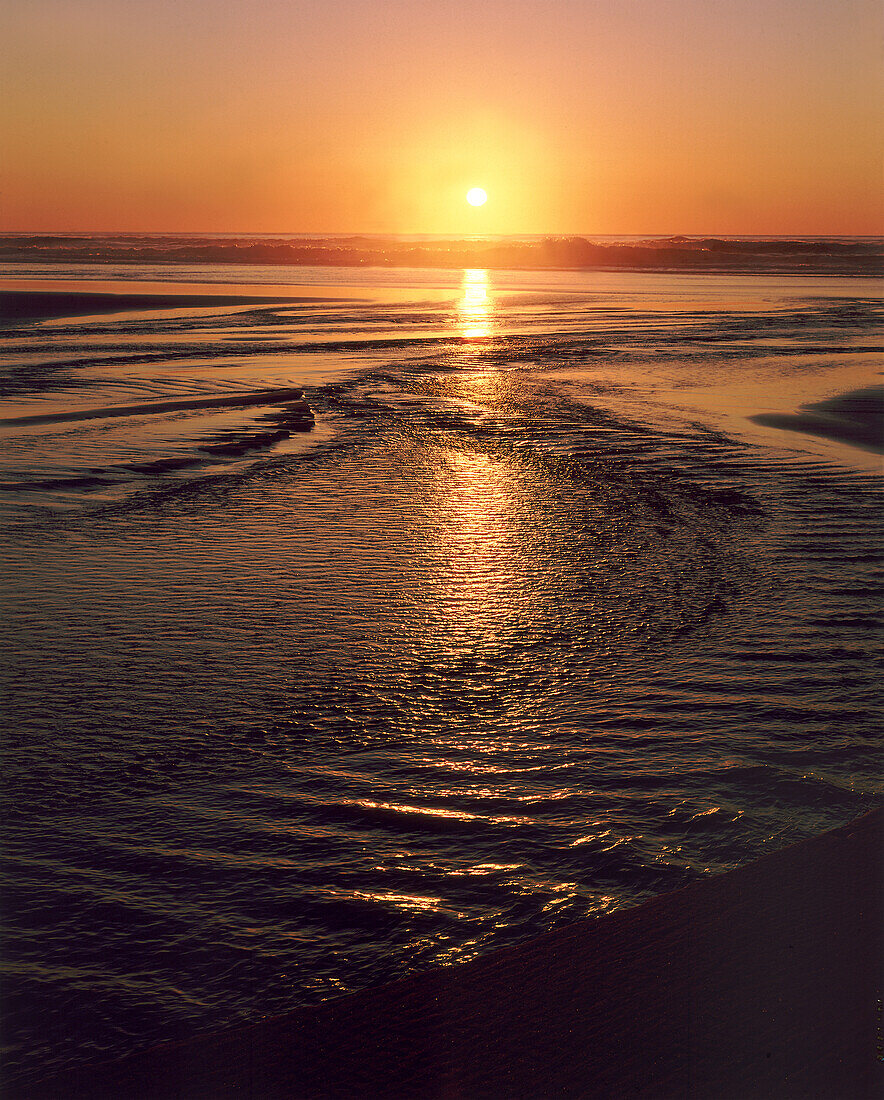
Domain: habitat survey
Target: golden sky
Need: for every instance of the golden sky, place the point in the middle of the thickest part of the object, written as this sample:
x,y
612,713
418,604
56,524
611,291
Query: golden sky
x,y
576,116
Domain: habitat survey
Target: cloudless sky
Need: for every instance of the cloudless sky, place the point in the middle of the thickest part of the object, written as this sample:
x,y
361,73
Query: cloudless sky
x,y
576,116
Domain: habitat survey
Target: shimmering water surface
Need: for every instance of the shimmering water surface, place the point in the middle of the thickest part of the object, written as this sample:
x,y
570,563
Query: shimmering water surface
x,y
535,622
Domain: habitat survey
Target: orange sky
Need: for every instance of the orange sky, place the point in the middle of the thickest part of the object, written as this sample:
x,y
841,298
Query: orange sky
x,y
577,116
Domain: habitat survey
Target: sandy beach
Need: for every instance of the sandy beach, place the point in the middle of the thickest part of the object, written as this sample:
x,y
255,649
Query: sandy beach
x,y
761,983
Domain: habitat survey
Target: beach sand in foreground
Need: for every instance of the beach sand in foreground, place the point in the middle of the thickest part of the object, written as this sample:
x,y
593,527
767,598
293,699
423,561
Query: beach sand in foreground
x,y
762,982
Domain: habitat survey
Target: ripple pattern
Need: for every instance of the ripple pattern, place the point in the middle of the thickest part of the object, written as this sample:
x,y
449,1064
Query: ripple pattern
x,y
484,658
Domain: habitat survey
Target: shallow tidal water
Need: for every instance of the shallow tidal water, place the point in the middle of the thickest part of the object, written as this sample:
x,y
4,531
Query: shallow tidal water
x,y
534,623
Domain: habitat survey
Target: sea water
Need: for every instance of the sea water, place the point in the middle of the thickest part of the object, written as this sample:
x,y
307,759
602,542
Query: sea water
x,y
535,621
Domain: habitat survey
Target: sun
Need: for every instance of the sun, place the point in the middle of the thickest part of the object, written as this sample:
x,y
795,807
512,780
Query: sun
x,y
476,196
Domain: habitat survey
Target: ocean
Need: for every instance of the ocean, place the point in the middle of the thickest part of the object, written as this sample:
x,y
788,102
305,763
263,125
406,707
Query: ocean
x,y
566,595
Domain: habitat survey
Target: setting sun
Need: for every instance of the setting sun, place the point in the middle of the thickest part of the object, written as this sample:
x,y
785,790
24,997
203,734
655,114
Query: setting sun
x,y
476,196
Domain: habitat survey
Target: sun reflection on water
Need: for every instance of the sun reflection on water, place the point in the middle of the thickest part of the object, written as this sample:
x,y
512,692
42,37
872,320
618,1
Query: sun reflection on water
x,y
475,307
480,556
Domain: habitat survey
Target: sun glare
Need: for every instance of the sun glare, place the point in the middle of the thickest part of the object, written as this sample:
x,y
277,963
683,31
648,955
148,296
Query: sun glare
x,y
476,196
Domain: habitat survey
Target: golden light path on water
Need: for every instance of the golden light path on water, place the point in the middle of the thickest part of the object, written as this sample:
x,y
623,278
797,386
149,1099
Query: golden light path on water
x,y
475,308
481,588
484,588
476,512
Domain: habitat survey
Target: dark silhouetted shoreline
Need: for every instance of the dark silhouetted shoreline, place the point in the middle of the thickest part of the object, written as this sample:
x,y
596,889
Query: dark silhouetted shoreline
x,y
760,983
795,256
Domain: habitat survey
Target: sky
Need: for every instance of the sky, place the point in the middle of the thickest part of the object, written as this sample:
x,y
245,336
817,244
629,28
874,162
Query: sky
x,y
376,116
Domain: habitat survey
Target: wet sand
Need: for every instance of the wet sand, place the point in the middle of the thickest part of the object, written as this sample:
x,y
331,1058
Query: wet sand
x,y
856,418
36,305
146,408
763,982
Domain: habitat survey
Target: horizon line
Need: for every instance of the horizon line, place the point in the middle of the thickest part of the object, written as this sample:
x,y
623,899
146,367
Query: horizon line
x,y
410,233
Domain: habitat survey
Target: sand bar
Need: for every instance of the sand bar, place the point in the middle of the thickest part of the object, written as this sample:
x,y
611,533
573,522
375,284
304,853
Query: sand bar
x,y
34,305
759,983
856,418
146,408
